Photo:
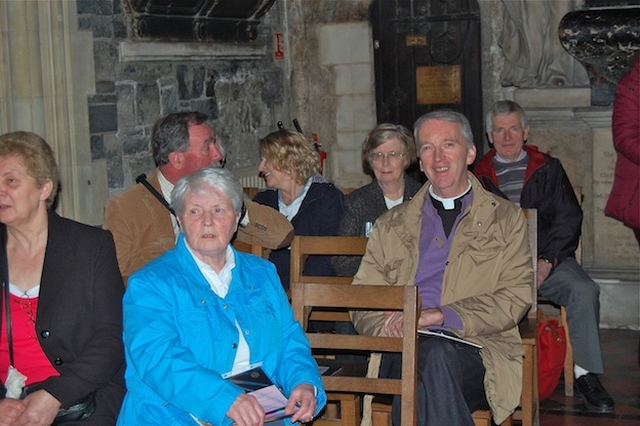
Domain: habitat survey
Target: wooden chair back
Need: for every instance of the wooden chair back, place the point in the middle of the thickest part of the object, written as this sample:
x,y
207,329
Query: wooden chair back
x,y
304,246
528,413
256,249
532,236
310,295
251,191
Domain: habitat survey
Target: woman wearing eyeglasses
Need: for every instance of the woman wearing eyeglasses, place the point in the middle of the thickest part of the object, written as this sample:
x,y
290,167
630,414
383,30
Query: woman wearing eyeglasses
x,y
313,205
386,153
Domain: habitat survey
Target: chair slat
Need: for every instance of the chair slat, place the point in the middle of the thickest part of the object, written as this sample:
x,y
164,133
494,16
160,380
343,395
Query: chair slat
x,y
308,295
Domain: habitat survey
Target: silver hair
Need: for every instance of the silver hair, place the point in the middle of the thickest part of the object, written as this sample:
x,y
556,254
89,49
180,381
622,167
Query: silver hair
x,y
503,108
209,177
449,116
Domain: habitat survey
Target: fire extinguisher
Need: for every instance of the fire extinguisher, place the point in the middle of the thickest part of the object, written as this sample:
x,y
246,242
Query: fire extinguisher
x,y
321,153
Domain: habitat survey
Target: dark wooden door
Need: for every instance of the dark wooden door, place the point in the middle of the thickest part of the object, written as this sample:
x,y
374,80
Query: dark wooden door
x,y
427,57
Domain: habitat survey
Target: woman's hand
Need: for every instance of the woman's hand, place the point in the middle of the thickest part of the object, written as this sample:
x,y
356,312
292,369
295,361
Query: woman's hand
x,y
41,409
302,403
10,410
246,411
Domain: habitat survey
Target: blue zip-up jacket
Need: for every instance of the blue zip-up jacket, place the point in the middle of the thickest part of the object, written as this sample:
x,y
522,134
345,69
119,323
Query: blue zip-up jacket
x,y
180,337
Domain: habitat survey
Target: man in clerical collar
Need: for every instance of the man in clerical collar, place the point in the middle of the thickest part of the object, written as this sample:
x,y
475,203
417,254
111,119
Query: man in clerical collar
x,y
467,252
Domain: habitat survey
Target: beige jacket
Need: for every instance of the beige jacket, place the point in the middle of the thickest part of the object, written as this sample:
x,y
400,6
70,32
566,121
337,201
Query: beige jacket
x,y
142,228
487,282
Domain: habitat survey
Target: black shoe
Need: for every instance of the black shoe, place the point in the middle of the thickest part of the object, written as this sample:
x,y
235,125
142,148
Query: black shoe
x,y
589,388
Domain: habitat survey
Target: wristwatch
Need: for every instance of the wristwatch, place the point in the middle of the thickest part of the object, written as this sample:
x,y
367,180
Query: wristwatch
x,y
549,260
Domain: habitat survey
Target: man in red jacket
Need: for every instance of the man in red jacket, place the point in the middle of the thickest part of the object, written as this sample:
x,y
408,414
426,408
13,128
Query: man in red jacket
x,y
624,200
531,179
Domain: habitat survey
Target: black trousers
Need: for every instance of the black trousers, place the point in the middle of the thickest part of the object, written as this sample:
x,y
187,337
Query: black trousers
x,y
450,382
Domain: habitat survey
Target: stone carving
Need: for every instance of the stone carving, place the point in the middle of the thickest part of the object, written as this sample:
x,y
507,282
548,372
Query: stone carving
x,y
534,56
605,41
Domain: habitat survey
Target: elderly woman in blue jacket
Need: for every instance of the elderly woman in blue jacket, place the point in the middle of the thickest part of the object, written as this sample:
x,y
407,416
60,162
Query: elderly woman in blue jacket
x,y
203,310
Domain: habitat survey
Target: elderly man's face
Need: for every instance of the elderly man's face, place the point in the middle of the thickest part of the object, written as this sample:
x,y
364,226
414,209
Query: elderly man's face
x,y
444,157
508,136
203,150
208,223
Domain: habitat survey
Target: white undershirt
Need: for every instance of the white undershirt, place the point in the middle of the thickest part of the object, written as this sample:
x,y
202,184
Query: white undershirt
x,y
291,210
392,203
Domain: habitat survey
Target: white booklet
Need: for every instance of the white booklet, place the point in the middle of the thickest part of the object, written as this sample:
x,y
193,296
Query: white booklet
x,y
448,335
255,382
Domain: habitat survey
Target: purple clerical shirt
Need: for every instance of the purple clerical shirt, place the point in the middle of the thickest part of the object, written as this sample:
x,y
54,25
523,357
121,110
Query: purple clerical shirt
x,y
433,254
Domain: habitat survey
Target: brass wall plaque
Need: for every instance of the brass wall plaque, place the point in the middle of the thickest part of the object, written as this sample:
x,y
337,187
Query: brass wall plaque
x,y
438,85
416,40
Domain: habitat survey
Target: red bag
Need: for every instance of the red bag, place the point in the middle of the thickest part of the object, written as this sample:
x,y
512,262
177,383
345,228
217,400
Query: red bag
x,y
552,348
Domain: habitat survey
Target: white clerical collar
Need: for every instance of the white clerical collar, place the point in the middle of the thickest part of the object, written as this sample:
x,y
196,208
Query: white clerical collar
x,y
501,159
448,203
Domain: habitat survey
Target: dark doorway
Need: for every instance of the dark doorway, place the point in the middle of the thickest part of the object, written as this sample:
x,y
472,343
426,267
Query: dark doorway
x,y
427,57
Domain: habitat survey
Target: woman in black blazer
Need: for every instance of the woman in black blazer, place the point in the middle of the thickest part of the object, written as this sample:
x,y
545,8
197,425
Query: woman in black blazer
x,y
64,298
313,205
386,153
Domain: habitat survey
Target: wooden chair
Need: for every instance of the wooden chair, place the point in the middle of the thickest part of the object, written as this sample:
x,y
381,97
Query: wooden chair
x,y
301,248
307,296
249,248
304,246
561,317
251,191
529,411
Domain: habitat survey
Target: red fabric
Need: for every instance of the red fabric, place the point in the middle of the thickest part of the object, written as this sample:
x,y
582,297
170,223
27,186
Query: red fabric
x,y
552,349
28,355
624,200
484,167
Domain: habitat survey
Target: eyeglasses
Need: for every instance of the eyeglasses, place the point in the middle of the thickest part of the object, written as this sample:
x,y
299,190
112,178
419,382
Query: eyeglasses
x,y
391,156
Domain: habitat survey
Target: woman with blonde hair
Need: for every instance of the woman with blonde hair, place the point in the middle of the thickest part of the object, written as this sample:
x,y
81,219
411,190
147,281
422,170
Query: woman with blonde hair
x,y
289,165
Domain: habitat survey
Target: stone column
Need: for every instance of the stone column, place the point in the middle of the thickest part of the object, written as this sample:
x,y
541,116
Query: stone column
x,y
46,75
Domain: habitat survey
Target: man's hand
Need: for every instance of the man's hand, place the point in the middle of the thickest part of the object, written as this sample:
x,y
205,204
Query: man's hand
x,y
246,411
431,316
302,403
393,323
41,409
544,269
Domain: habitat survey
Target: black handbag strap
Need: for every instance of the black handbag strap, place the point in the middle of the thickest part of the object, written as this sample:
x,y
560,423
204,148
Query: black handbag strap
x,y
5,286
143,180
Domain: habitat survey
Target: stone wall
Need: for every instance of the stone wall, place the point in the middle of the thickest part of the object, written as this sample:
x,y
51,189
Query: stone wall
x,y
240,86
